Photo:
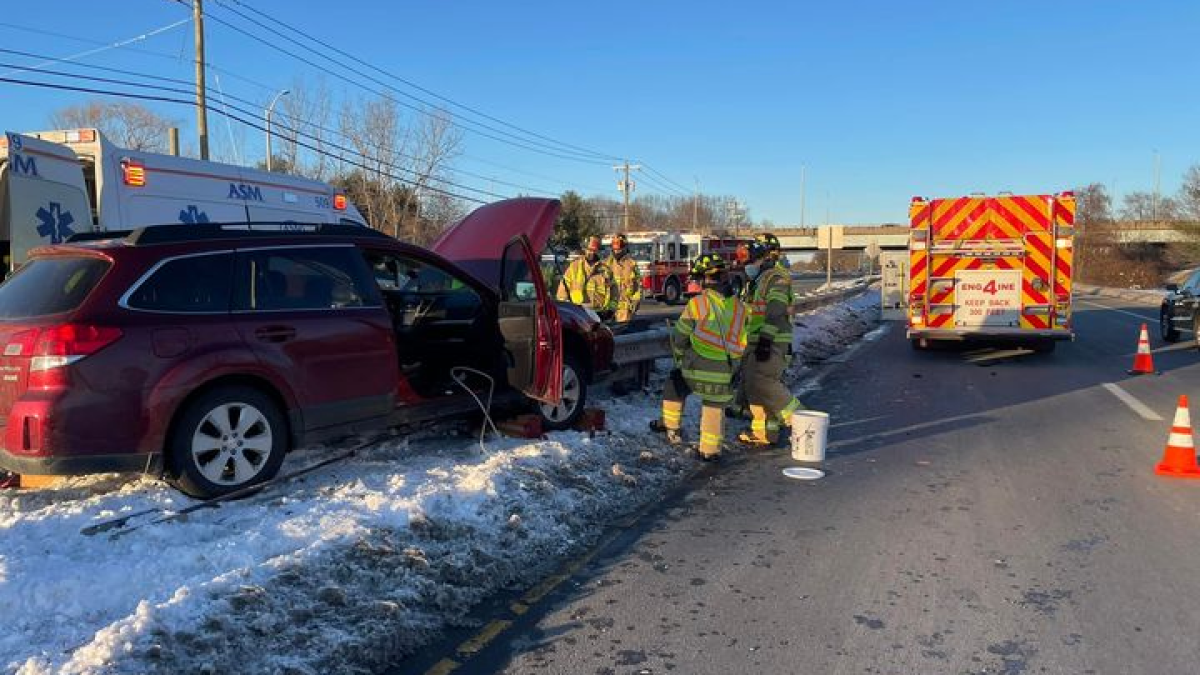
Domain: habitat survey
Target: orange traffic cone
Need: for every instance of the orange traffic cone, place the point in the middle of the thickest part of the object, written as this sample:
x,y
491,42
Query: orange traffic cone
x,y
1179,459
1143,363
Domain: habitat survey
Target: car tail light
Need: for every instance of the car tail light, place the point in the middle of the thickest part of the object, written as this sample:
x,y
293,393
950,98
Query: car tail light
x,y
339,202
648,282
133,173
59,346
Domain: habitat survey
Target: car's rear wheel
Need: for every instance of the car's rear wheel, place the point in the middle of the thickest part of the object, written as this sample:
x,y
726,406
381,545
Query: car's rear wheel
x,y
1166,325
226,439
574,397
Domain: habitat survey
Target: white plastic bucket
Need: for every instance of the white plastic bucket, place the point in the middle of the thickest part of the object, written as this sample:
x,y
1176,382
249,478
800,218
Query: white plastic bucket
x,y
809,431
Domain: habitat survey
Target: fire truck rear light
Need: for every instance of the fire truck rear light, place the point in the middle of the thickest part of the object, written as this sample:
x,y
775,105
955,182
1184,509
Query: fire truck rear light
x,y
1068,193
133,173
339,202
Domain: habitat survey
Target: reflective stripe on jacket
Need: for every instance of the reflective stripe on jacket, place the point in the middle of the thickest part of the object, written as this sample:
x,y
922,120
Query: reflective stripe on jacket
x,y
770,306
713,326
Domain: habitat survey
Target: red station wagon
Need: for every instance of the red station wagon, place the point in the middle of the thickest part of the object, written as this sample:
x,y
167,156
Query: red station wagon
x,y
205,352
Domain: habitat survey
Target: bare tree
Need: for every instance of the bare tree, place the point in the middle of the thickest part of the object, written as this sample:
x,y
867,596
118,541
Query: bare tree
x,y
373,131
1093,205
1144,206
126,124
304,120
1189,194
436,144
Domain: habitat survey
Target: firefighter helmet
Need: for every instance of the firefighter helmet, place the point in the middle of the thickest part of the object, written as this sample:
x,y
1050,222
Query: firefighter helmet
x,y
619,242
756,251
707,265
770,241
593,243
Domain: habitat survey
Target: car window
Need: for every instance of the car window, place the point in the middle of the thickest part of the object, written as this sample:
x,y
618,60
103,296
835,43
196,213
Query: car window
x,y
46,286
1193,282
419,292
517,282
193,284
303,279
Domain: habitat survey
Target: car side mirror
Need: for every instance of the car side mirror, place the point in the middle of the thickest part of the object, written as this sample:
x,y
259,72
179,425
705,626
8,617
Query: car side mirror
x,y
1173,288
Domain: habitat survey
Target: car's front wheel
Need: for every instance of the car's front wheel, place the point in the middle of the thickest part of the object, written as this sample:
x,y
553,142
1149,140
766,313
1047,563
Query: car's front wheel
x,y
567,411
226,439
1166,325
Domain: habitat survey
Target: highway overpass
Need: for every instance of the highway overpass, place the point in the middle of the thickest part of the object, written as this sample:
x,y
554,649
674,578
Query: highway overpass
x,y
895,237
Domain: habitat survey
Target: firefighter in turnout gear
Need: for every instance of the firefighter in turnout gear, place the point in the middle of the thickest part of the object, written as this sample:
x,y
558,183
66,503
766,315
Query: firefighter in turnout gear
x,y
588,281
768,295
708,343
627,277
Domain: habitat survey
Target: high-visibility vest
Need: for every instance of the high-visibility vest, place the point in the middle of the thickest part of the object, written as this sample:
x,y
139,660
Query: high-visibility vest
x,y
715,326
588,283
773,285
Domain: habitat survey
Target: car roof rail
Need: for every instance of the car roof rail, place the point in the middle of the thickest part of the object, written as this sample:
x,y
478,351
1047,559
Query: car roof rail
x,y
80,237
176,233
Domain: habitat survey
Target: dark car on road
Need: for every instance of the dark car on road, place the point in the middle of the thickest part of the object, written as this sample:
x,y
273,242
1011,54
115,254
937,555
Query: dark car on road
x,y
205,352
1179,311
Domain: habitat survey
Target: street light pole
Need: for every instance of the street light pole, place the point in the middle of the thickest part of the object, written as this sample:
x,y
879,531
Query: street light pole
x,y
270,109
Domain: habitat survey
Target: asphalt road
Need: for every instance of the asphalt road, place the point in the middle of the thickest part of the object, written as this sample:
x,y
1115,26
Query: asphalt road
x,y
982,513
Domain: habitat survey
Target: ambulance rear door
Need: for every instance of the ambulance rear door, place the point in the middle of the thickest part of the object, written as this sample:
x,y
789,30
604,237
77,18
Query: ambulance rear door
x,y
43,196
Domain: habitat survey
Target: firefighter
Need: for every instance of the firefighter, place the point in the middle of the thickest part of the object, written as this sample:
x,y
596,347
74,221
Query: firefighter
x,y
708,343
768,295
587,280
627,278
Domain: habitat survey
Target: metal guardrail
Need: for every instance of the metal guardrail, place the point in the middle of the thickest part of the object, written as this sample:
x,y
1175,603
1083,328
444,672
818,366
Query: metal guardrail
x,y
633,353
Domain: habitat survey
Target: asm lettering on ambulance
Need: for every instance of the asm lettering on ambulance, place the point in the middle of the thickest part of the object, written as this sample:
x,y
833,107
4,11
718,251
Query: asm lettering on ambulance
x,y
1023,221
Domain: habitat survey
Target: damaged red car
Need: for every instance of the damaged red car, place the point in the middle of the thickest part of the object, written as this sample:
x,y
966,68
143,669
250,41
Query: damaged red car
x,y
204,353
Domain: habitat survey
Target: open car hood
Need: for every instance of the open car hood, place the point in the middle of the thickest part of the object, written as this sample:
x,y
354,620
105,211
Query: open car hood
x,y
477,242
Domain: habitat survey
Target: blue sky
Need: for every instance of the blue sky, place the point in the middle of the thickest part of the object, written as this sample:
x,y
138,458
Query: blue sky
x,y
878,101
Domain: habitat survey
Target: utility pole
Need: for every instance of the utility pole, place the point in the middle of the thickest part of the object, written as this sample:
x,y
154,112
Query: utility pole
x,y
734,208
626,186
802,197
1157,178
201,102
696,207
828,251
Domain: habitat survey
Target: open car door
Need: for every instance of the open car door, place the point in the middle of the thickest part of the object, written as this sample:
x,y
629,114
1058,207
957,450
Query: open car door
x,y
530,325
43,196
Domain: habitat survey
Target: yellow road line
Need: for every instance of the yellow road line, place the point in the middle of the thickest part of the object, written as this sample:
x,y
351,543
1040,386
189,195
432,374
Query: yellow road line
x,y
481,639
443,667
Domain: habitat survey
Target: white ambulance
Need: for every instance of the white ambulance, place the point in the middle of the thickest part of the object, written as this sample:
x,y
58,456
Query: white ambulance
x,y
54,184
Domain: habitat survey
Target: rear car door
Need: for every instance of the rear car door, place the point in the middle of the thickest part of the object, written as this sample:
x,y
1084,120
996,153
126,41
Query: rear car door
x,y
313,314
530,325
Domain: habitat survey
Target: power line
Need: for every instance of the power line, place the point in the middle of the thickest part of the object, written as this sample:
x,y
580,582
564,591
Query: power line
x,y
334,48
253,125
469,125
294,129
115,45
171,57
685,190
313,125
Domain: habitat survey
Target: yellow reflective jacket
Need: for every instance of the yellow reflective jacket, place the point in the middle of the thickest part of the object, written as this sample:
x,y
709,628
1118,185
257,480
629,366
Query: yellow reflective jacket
x,y
585,283
713,326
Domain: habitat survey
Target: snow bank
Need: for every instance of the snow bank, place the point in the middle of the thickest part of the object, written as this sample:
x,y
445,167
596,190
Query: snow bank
x,y
345,570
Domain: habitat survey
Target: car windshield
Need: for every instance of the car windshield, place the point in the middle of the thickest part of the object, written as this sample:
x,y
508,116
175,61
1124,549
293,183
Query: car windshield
x,y
47,286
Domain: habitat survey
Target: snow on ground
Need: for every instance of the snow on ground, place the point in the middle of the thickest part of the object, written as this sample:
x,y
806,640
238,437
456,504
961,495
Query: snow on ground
x,y
343,571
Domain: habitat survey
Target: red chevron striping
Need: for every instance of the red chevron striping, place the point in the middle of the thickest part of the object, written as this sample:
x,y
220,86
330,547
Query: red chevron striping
x,y
950,210
1035,210
966,224
1040,244
918,219
1011,218
1036,321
